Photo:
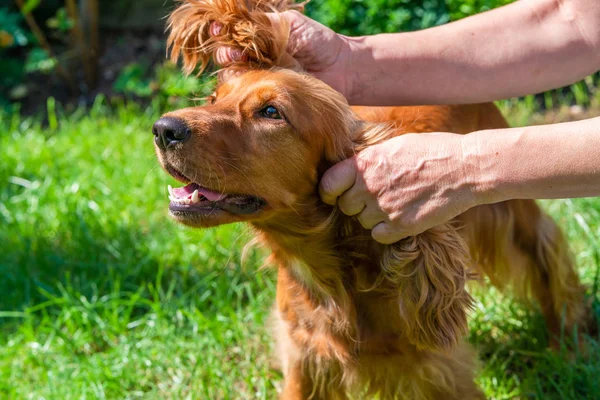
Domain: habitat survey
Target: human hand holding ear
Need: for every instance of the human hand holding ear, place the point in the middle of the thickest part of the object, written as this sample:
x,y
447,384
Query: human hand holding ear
x,y
404,186
315,49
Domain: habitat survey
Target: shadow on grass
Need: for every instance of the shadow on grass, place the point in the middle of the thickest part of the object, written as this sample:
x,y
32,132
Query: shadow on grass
x,y
516,362
86,261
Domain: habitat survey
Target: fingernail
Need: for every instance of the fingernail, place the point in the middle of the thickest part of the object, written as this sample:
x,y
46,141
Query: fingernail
x,y
234,54
215,28
222,56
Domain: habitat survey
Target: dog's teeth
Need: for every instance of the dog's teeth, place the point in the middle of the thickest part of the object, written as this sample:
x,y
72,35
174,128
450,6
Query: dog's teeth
x,y
194,198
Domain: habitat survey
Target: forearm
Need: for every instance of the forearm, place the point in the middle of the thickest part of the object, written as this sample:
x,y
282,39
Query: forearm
x,y
537,162
526,47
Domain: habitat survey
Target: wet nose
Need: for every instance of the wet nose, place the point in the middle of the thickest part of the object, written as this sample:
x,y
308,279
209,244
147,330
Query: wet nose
x,y
169,131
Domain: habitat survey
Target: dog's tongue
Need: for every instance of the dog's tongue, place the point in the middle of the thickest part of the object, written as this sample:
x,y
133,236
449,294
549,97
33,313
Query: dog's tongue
x,y
187,191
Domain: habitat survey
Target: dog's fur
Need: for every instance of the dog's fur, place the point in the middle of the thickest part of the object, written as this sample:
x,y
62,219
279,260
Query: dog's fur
x,y
245,27
353,317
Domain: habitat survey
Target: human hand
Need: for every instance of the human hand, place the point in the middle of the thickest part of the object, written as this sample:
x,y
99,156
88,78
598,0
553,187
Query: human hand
x,y
405,185
317,49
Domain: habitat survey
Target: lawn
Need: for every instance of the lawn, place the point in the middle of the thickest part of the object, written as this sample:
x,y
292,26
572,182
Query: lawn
x,y
103,296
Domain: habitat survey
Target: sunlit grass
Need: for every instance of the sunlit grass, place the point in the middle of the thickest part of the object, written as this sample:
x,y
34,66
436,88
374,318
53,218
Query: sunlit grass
x,y
103,296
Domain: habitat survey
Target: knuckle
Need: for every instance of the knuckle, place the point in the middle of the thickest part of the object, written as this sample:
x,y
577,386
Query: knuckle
x,y
222,56
327,185
293,14
344,206
352,204
234,54
215,28
364,221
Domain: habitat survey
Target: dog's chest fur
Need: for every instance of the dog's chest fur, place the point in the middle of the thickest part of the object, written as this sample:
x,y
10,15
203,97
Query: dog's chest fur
x,y
331,294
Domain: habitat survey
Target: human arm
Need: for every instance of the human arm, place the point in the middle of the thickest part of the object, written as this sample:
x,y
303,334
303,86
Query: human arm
x,y
414,182
537,162
526,47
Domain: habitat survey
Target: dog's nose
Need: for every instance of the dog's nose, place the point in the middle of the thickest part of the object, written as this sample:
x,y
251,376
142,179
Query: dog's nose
x,y
168,131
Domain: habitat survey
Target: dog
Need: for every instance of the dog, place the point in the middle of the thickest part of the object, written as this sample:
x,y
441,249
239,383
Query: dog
x,y
353,318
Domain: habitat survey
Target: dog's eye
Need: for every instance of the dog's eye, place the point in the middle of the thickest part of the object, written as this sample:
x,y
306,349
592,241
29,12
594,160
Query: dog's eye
x,y
211,99
270,112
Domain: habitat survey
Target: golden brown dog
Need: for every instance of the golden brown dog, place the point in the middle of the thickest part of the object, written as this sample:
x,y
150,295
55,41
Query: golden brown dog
x,y
354,318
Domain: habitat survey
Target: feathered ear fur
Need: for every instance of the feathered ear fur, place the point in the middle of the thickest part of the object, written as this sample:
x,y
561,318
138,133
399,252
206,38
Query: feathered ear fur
x,y
430,271
427,272
244,27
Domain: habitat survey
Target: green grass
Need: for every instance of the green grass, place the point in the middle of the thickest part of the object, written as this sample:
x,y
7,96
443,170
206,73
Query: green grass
x,y
103,296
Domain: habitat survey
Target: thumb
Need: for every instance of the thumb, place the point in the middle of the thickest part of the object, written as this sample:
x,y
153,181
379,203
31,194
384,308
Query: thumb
x,y
385,233
337,180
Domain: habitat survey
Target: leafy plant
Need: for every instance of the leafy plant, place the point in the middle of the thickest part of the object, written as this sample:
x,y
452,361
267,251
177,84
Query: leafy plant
x,y
20,51
12,33
463,8
362,17
132,80
28,45
12,36
38,60
61,21
370,17
165,83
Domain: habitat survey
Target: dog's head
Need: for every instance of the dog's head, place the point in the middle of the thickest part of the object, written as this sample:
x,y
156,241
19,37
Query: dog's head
x,y
255,150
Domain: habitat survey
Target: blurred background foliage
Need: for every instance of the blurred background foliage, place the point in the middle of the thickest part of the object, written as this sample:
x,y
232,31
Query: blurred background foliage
x,y
368,17
73,50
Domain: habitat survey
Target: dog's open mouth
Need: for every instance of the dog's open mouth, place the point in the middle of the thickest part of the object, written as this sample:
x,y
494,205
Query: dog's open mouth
x,y
198,199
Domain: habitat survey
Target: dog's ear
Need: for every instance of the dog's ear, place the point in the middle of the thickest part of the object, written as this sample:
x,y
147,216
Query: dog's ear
x,y
429,272
244,26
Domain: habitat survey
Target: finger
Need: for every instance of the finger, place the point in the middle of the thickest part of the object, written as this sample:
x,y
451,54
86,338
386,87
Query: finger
x,y
282,24
370,217
352,201
215,28
337,180
287,61
286,21
225,74
385,233
278,19
227,55
274,17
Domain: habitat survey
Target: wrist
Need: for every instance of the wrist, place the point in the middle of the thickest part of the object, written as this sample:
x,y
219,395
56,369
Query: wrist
x,y
480,168
379,67
352,61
